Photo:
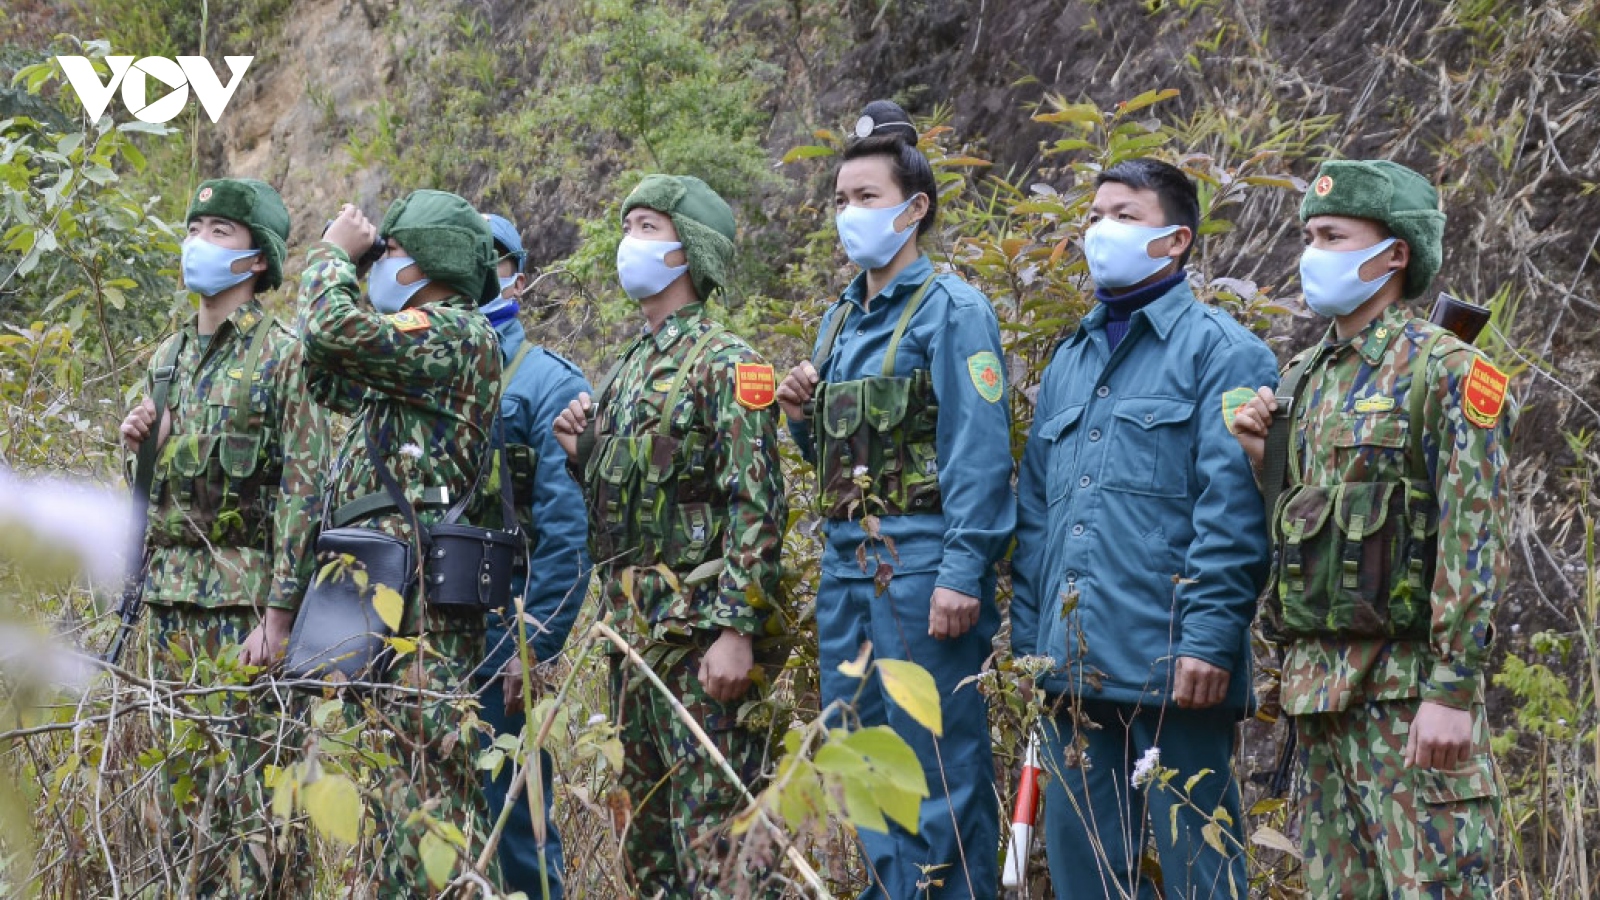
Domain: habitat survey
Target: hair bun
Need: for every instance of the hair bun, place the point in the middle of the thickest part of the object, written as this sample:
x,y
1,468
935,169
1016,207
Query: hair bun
x,y
885,118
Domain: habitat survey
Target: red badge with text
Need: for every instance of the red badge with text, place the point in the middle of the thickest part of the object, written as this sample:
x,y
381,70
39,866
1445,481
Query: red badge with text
x,y
755,385
1484,397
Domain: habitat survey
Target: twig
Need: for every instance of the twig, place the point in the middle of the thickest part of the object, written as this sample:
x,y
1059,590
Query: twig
x,y
793,855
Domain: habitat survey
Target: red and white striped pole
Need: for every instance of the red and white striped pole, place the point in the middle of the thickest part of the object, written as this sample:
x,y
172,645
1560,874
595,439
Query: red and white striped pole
x,y
1023,819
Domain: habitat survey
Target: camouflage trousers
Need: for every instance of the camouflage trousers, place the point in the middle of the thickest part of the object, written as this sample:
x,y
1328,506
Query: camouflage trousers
x,y
678,843
1377,829
223,840
426,779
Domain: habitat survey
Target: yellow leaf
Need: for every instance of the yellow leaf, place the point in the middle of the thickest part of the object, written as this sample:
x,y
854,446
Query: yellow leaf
x,y
335,807
389,604
1273,839
1212,832
914,690
402,646
438,858
857,669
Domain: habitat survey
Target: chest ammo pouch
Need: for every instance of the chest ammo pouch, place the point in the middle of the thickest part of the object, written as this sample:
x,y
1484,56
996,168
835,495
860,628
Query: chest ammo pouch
x,y
1351,559
884,424
650,495
212,486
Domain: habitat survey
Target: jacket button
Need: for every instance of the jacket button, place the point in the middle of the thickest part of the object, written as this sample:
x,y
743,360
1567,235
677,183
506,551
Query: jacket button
x,y
1148,418
1084,481
1102,391
1094,435
1077,529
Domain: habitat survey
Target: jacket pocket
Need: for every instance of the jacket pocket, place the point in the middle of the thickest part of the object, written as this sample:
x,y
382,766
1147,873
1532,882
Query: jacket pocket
x,y
1058,459
1371,447
1150,447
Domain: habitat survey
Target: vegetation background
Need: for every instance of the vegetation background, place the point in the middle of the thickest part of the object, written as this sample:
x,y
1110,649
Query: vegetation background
x,y
548,111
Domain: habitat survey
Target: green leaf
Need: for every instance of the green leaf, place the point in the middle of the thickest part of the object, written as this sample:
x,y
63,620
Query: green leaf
x,y
389,604
904,807
706,571
1077,112
806,151
891,758
1148,98
861,805
910,686
335,807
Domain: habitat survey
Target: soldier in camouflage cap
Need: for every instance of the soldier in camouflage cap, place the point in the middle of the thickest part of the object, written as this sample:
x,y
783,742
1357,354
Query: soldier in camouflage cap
x,y
679,461
1390,535
234,502
418,369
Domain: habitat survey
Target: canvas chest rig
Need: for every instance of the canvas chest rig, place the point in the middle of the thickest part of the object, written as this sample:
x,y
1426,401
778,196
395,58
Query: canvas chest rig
x,y
650,495
221,488
883,427
1353,560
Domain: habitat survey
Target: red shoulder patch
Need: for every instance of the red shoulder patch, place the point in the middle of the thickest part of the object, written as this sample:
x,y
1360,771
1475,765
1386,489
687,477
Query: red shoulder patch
x,y
1484,397
755,385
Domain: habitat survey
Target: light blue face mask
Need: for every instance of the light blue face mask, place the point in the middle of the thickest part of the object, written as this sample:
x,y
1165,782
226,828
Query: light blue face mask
x,y
384,289
505,285
868,234
208,269
642,266
1119,253
1332,281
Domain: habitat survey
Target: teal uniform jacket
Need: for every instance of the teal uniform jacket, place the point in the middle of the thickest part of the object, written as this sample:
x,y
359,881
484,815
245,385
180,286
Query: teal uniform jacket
x,y
558,568
1140,528
954,324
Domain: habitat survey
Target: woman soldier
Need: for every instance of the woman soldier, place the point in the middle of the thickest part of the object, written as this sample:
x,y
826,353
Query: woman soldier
x,y
903,411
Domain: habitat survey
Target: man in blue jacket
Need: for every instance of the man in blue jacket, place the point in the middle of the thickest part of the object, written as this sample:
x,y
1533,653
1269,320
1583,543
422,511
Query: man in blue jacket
x,y
1141,547
536,386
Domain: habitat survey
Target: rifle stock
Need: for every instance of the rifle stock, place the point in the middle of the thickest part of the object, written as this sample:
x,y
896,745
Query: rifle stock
x,y
1464,320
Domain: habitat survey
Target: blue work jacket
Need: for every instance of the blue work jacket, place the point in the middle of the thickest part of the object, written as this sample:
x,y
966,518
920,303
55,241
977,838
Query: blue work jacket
x,y
952,329
1140,531
559,567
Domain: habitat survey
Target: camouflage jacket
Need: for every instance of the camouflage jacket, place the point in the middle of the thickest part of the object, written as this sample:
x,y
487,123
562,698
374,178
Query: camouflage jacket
x,y
742,480
426,380
237,488
1354,426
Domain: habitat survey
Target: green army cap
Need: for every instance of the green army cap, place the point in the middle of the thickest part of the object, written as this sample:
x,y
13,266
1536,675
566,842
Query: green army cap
x,y
1389,193
449,240
255,205
704,222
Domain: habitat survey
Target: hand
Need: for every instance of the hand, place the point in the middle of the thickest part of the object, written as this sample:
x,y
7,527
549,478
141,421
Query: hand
x,y
513,674
1199,684
571,423
725,667
136,427
1441,737
266,644
951,614
1251,423
796,391
351,232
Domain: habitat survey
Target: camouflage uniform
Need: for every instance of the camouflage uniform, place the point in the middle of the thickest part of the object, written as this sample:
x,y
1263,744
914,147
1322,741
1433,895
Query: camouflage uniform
x,y
1373,826
712,480
234,501
426,380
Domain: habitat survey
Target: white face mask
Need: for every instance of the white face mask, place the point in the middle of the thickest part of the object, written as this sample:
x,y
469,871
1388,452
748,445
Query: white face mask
x,y
642,266
868,234
1332,281
1119,253
384,289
